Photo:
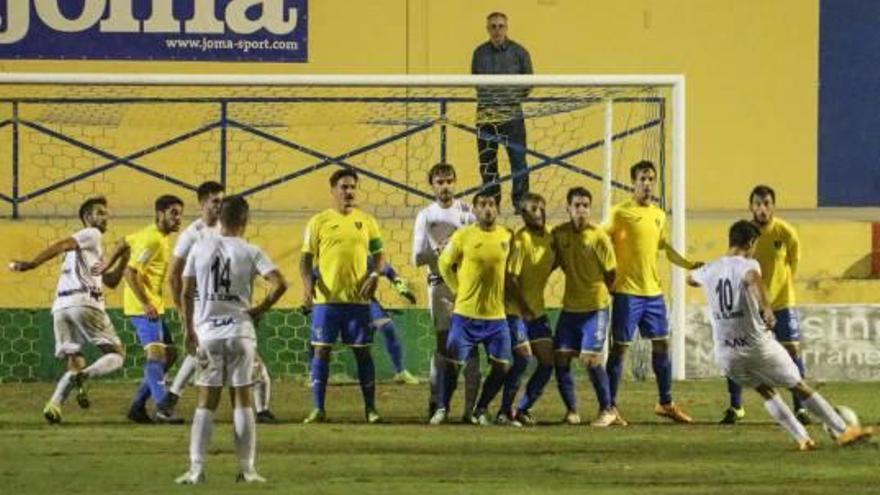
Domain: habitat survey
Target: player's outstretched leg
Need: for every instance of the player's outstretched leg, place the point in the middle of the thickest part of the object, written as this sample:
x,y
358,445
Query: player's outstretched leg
x,y
736,411
52,409
780,412
367,379
816,404
800,411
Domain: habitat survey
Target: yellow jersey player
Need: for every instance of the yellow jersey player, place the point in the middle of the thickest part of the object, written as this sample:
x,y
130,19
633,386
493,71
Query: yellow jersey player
x,y
637,228
778,252
341,239
532,260
474,264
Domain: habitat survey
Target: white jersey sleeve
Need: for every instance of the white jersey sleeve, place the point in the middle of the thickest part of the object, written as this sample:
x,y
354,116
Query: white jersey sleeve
x,y
262,263
88,239
184,244
421,250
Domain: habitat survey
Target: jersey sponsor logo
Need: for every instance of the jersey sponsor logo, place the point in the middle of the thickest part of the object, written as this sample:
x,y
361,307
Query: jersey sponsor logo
x,y
728,315
736,342
222,321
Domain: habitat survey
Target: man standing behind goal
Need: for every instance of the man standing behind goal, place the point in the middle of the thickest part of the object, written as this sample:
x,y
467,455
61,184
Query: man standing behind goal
x,y
218,319
499,112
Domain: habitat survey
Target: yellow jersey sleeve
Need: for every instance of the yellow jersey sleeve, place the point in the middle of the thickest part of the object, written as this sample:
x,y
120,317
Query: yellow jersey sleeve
x,y
449,259
310,238
605,252
144,246
375,235
793,249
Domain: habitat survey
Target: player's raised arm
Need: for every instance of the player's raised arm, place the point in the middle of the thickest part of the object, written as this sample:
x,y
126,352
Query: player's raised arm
x,y
62,246
677,258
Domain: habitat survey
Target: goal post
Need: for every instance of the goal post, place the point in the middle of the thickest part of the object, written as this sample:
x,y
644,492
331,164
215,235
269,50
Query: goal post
x,y
274,138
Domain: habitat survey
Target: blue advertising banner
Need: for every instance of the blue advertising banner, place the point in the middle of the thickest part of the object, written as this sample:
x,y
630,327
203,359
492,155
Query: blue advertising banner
x,y
197,30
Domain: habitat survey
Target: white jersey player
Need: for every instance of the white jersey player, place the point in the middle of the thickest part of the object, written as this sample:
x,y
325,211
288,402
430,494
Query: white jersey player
x,y
220,322
78,311
745,349
434,225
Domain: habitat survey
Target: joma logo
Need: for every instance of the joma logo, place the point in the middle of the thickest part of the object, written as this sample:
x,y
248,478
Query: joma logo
x,y
117,16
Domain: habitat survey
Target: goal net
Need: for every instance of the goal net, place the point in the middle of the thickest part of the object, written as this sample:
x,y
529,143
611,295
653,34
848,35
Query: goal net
x,y
276,140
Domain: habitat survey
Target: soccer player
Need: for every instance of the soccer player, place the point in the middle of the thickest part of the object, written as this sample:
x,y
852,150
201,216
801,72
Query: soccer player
x,y
434,225
143,303
532,260
637,228
742,318
210,195
78,312
220,322
778,253
473,264
340,239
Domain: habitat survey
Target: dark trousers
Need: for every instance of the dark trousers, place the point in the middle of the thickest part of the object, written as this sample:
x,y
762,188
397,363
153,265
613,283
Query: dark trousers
x,y
511,132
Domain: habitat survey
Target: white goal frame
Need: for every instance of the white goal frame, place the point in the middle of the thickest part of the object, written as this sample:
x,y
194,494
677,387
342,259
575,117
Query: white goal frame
x,y
674,81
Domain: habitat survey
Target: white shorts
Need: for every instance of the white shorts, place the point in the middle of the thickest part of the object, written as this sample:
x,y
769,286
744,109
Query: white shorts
x,y
442,301
226,362
76,325
766,364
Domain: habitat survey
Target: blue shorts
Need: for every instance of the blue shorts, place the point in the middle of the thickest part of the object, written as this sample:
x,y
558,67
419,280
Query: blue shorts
x,y
518,333
584,332
647,314
351,321
466,333
787,328
151,331
539,329
377,312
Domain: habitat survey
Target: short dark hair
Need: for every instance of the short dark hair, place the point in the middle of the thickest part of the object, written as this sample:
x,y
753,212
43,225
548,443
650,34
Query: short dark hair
x,y
496,14
234,211
208,188
762,191
166,201
440,169
537,198
484,194
578,192
742,233
640,166
343,172
89,205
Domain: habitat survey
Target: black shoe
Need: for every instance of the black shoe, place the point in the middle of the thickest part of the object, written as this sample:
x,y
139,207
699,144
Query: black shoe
x,y
432,408
167,404
266,417
139,415
732,416
803,416
167,419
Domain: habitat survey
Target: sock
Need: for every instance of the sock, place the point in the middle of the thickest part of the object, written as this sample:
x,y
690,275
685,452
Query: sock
x,y
435,377
367,378
565,382
245,430
599,378
663,374
614,368
262,390
184,373
512,382
104,365
389,272
154,372
535,387
736,394
392,344
141,396
795,399
320,374
200,437
783,415
62,389
472,380
817,405
491,387
446,387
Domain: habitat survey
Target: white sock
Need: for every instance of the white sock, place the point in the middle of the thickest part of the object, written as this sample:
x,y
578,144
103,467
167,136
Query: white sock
x,y
184,373
817,405
432,377
200,437
262,390
104,365
783,415
62,390
472,380
245,437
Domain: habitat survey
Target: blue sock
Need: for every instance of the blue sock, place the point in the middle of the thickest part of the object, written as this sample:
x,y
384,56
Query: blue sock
x,y
535,387
614,368
367,379
663,374
565,382
446,385
154,375
392,344
320,374
600,384
491,386
736,394
141,396
795,400
511,383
